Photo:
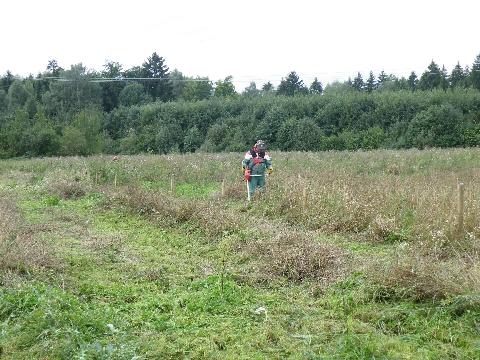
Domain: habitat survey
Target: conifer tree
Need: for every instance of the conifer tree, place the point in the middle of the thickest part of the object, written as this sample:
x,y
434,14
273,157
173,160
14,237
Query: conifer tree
x,y
316,87
160,87
475,73
371,83
412,81
431,78
291,85
358,83
457,77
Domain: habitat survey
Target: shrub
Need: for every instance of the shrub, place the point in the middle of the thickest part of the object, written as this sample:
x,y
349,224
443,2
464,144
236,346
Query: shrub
x,y
297,257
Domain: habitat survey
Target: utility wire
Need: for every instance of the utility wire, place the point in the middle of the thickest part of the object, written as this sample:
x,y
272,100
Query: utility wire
x,y
56,78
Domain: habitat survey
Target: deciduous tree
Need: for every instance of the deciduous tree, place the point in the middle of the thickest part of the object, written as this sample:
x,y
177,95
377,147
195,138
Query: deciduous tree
x,y
113,86
17,95
178,83
438,126
197,89
169,138
73,92
251,90
133,94
225,88
193,140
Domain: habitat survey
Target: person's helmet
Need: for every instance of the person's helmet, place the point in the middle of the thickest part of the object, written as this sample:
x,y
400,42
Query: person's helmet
x,y
260,145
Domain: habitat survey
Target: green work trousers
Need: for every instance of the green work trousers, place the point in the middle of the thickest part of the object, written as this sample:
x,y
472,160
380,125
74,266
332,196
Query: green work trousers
x,y
256,182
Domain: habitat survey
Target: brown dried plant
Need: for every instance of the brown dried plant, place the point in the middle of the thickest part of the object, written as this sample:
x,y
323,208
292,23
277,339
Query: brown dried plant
x,y
297,256
21,249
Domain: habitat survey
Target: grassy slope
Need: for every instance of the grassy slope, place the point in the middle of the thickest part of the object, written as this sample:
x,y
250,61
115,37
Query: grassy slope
x,y
371,268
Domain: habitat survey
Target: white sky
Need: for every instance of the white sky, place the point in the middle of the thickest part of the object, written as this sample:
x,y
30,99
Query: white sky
x,y
260,41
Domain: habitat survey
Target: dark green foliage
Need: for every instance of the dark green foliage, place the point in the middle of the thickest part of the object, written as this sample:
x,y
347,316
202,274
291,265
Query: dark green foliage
x,y
216,136
73,93
291,85
267,88
251,91
169,138
439,126
111,89
146,141
299,135
193,140
133,94
475,73
12,135
178,83
412,81
458,77
17,95
43,140
382,78
197,89
160,87
358,83
3,100
316,87
371,83
431,78
225,88
266,128
80,112
53,68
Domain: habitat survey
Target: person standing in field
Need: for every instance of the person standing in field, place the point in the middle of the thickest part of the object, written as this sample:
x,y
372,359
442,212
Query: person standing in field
x,y
256,163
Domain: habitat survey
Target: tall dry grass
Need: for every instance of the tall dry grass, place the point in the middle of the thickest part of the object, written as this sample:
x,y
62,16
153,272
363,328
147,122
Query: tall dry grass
x,y
407,199
21,246
402,202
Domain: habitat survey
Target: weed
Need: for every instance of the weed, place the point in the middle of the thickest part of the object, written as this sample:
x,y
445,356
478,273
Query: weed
x,y
52,200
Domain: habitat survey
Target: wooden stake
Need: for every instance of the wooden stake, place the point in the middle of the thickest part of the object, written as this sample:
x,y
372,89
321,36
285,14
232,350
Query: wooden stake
x,y
172,187
305,199
115,180
223,188
460,209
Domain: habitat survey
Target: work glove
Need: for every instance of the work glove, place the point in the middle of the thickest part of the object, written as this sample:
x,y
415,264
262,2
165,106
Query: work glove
x,y
270,171
243,170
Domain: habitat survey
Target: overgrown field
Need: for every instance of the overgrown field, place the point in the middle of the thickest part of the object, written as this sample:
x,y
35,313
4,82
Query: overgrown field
x,y
347,255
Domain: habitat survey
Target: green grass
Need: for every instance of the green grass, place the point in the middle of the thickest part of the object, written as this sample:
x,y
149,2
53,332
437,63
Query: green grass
x,y
134,272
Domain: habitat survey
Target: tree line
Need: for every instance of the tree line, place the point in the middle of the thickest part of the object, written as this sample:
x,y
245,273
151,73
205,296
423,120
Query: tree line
x,y
148,109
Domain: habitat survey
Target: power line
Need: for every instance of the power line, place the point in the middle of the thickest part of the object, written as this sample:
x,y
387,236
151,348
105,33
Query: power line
x,y
99,80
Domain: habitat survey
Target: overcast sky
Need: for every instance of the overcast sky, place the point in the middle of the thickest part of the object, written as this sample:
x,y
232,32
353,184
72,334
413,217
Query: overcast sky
x,y
260,41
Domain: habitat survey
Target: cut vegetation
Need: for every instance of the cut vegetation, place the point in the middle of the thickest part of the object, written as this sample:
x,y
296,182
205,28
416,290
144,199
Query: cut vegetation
x,y
348,255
